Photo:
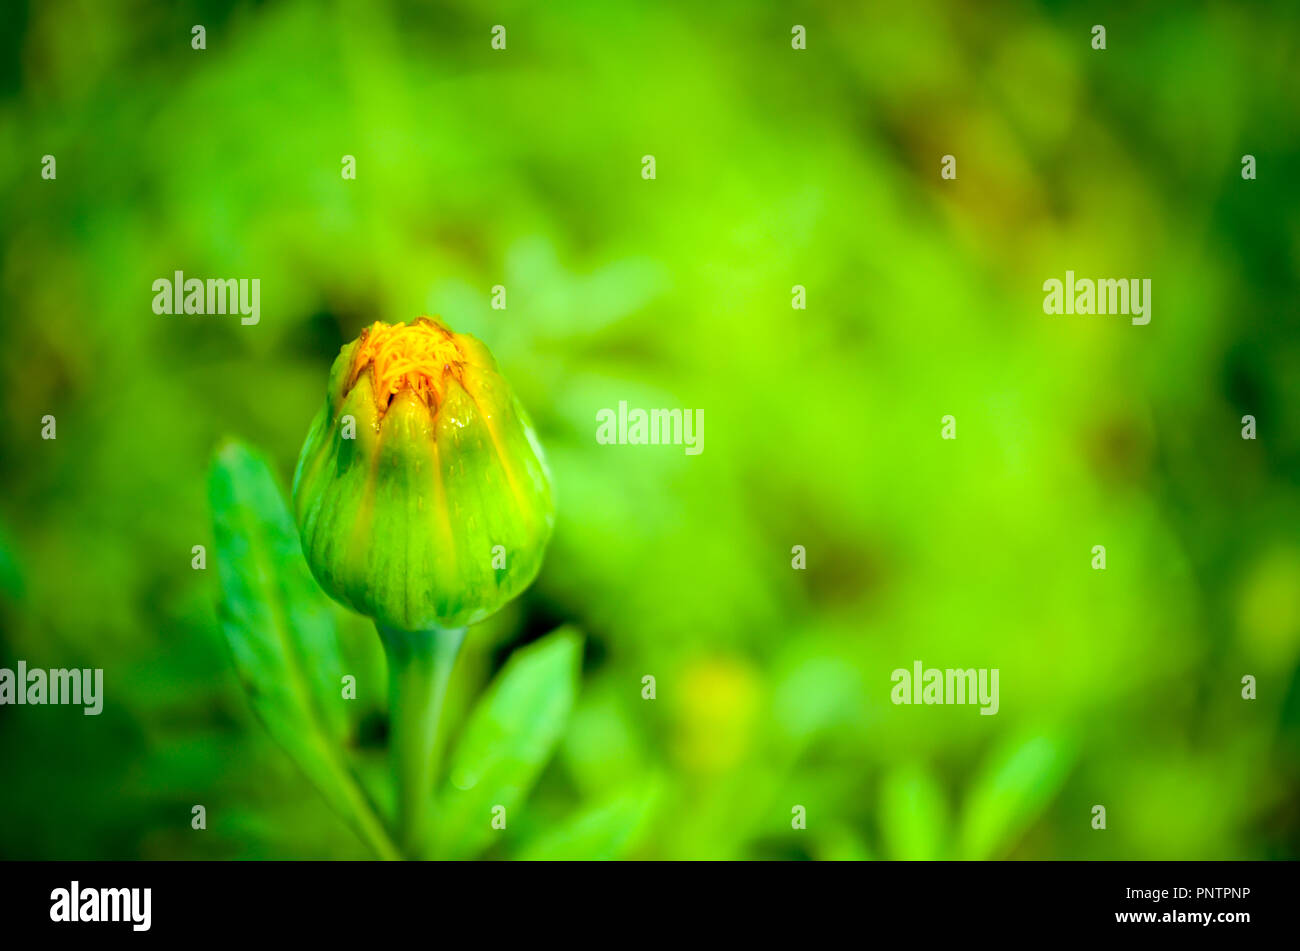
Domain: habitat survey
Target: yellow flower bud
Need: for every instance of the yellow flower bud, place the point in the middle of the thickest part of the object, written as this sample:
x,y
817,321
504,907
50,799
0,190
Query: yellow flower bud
x,y
421,494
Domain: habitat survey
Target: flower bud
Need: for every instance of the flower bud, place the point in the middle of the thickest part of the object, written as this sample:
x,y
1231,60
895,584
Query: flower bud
x,y
421,494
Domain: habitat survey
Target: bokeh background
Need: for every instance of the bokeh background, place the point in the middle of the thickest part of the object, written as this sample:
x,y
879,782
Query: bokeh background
x,y
822,426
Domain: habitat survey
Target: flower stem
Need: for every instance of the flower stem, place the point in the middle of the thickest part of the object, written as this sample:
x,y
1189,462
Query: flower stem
x,y
419,666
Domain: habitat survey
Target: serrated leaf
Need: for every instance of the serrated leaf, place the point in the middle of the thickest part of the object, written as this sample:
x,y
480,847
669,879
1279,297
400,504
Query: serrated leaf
x,y
602,832
507,741
1013,789
281,632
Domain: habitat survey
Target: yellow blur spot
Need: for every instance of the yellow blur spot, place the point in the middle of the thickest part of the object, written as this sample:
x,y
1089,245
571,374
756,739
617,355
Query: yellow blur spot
x,y
1268,609
715,713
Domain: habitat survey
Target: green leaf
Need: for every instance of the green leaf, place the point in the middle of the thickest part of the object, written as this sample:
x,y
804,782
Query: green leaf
x,y
602,832
1013,789
913,814
841,843
281,632
508,739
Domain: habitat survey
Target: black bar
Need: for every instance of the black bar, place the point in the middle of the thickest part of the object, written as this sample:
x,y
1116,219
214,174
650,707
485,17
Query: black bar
x,y
440,900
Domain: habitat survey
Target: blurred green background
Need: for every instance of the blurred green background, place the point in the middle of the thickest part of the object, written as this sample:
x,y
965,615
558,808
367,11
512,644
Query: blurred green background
x,y
775,167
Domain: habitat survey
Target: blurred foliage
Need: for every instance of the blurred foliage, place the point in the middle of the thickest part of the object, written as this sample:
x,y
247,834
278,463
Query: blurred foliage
x,y
775,168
